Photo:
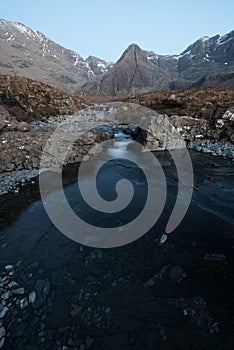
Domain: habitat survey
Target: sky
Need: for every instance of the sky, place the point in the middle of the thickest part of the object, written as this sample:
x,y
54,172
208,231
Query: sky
x,y
105,28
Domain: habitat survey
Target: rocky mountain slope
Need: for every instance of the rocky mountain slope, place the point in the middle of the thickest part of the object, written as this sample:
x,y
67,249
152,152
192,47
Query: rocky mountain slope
x,y
132,72
208,61
28,53
207,56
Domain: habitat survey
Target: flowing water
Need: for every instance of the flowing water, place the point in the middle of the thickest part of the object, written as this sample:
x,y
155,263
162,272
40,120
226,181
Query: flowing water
x,y
140,296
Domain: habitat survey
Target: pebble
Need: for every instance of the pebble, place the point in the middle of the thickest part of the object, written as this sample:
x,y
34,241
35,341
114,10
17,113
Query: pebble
x,y
3,312
6,295
19,291
215,257
13,285
9,268
82,347
2,332
18,263
10,181
2,341
89,341
214,328
32,297
23,303
5,280
151,282
176,274
162,239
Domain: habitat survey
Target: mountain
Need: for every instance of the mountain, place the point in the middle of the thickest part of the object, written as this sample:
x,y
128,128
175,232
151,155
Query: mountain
x,y
132,72
98,66
207,56
28,53
224,79
208,61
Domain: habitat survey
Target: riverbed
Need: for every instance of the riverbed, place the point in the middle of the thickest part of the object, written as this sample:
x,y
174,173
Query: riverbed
x,y
177,294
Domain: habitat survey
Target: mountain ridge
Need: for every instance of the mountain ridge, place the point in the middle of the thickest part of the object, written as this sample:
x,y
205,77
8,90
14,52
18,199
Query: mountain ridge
x,y
208,61
31,54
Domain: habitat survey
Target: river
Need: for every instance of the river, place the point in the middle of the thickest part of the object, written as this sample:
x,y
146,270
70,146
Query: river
x,y
139,296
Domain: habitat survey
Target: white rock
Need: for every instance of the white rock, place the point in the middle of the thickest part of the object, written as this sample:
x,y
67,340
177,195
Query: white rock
x,y
9,268
32,297
163,239
23,303
206,150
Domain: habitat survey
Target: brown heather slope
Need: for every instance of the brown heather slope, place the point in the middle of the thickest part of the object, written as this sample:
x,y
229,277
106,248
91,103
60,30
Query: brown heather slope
x,y
26,99
204,102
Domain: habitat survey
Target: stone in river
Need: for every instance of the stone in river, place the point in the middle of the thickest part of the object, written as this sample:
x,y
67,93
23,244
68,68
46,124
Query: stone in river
x,y
32,297
9,268
162,239
2,341
13,285
2,332
215,257
176,274
19,291
89,341
6,295
23,303
3,312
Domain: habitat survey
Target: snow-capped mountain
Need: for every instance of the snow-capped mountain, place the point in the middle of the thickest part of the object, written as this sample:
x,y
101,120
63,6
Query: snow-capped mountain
x,y
24,52
205,57
98,66
29,53
207,61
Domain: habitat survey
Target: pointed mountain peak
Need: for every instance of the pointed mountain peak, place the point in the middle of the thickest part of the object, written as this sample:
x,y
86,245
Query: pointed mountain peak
x,y
134,47
132,51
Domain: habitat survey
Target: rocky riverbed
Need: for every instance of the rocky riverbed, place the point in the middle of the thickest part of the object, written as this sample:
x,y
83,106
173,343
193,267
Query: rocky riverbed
x,y
160,291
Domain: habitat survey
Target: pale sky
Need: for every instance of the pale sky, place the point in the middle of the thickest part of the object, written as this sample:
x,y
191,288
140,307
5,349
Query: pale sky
x,y
105,28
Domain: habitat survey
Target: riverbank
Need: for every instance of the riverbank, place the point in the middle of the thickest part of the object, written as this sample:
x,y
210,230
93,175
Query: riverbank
x,y
216,148
14,180
22,144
